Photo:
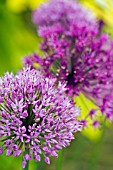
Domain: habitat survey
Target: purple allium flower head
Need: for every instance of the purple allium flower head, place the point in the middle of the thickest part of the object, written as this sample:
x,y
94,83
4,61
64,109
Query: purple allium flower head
x,y
75,51
67,28
35,117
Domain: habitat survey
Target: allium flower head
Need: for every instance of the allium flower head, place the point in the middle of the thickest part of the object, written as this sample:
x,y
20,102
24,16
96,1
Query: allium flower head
x,y
75,51
35,117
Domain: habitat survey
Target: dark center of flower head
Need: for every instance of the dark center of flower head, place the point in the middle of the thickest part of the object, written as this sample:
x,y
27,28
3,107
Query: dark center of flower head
x,y
66,73
70,79
29,119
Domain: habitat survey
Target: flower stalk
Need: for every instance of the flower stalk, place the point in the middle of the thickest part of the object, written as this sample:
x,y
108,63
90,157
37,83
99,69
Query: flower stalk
x,y
59,160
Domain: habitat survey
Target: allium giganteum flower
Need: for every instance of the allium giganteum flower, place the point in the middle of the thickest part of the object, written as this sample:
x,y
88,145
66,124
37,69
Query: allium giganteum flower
x,y
35,117
75,51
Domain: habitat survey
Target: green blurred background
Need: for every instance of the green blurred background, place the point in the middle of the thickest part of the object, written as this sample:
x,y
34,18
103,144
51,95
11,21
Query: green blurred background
x,y
92,150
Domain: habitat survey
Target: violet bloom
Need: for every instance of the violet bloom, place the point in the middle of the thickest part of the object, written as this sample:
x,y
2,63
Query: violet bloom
x,y
67,29
74,50
35,117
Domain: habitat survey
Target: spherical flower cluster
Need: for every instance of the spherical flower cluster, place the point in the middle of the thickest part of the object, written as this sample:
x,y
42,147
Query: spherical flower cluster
x,y
75,51
35,117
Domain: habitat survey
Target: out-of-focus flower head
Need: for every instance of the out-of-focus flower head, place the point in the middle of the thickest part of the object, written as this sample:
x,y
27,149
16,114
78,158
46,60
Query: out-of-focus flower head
x,y
35,117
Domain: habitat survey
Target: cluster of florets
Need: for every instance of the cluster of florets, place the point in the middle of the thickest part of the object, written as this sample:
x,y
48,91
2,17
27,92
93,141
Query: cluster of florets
x,y
64,26
75,51
35,117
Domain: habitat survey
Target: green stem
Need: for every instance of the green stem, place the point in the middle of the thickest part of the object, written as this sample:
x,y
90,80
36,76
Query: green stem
x,y
59,160
27,166
27,162
38,166
93,162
